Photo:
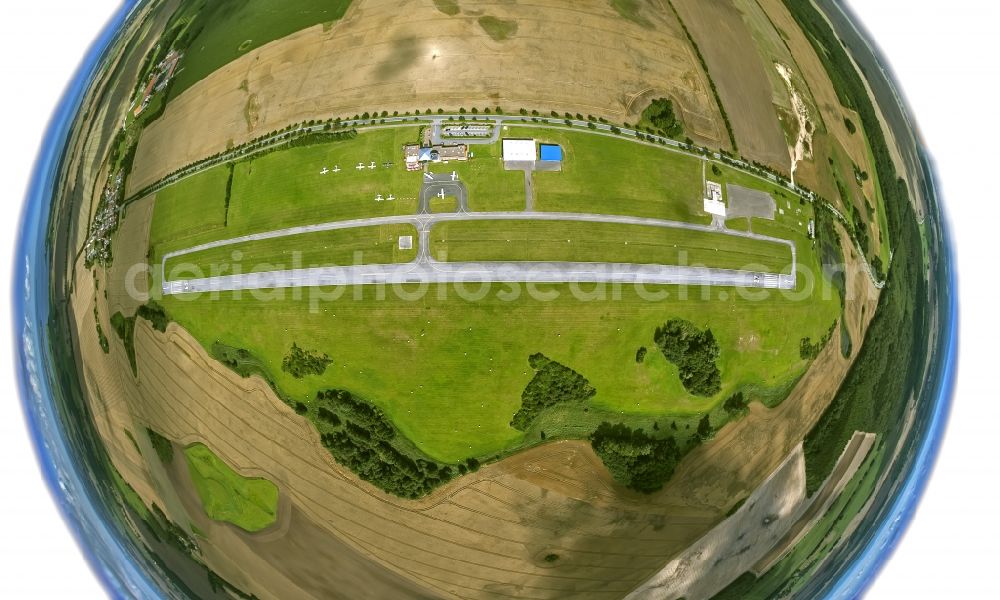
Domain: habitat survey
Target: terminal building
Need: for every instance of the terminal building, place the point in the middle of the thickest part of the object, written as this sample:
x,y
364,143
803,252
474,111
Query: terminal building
x,y
417,156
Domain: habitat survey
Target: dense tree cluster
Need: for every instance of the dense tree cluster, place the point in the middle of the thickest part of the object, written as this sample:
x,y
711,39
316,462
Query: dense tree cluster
x,y
361,437
552,384
694,352
635,459
163,447
737,404
300,362
660,113
125,328
155,314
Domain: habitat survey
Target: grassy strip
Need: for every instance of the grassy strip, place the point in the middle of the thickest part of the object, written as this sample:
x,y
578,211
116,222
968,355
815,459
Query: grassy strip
x,y
337,247
602,242
249,503
711,82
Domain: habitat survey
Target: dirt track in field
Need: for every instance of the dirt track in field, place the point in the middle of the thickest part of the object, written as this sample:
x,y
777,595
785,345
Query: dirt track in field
x,y
565,56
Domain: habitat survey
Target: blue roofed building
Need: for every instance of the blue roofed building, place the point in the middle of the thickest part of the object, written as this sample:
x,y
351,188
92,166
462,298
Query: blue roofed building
x,y
551,152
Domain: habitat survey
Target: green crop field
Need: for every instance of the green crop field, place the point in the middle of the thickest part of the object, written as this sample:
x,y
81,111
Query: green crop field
x,y
360,245
515,240
221,32
610,175
248,503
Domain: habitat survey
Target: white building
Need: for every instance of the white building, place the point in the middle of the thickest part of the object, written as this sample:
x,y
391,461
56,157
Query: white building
x,y
519,150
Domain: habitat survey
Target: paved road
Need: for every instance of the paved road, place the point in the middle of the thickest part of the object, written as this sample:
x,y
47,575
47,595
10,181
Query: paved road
x,y
426,270
430,271
433,183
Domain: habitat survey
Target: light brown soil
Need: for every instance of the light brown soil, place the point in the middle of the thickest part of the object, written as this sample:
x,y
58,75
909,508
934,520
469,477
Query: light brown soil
x,y
740,75
565,56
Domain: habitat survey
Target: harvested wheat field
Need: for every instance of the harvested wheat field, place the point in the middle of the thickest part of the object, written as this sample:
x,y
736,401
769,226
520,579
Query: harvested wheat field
x,y
429,59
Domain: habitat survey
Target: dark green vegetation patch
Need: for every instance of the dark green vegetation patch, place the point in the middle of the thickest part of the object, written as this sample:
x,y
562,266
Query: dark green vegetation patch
x,y
360,437
552,384
635,459
300,362
155,314
164,447
694,352
660,114
125,328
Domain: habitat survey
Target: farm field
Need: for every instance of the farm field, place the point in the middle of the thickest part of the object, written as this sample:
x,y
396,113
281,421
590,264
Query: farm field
x,y
734,63
373,53
457,370
226,31
607,175
360,245
249,503
602,242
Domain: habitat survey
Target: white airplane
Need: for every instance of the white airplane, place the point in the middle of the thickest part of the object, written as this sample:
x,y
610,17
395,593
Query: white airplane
x,y
391,198
336,168
379,198
441,194
454,176
372,165
429,176
324,171
360,167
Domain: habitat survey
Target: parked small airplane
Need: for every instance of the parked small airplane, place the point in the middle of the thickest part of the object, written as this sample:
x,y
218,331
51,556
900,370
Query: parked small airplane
x,y
441,194
391,198
336,168
387,164
360,167
379,198
372,165
454,176
324,171
429,176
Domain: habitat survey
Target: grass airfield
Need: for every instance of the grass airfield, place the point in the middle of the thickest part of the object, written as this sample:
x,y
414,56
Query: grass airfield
x,y
447,366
